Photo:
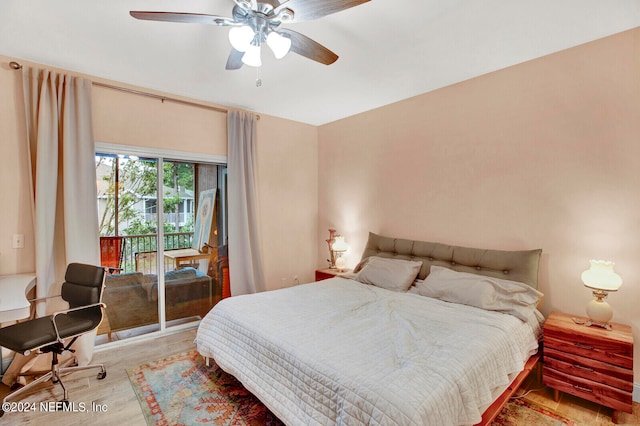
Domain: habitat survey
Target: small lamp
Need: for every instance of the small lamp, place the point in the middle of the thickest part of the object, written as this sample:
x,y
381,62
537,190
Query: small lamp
x,y
339,247
602,279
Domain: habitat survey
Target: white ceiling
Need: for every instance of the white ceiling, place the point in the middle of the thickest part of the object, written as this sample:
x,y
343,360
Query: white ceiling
x,y
389,50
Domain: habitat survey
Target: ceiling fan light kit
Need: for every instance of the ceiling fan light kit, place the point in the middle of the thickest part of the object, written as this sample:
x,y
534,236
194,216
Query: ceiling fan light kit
x,y
241,37
279,44
255,23
251,56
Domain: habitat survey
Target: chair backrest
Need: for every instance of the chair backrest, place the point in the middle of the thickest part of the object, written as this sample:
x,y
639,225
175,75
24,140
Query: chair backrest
x,y
111,251
83,285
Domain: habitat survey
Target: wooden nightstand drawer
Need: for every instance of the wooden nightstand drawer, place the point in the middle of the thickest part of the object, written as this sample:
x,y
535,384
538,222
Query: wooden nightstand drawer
x,y
610,351
588,389
588,368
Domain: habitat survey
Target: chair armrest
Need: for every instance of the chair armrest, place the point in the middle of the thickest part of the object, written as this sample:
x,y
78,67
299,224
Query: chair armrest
x,y
66,311
33,302
38,299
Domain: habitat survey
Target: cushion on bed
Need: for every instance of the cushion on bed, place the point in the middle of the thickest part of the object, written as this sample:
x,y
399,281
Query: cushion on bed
x,y
391,274
493,294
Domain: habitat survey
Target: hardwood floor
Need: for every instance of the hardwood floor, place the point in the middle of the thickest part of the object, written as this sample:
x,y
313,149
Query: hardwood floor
x,y
122,408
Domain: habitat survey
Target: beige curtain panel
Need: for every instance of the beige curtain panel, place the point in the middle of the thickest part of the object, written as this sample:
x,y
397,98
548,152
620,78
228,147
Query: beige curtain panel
x,y
245,258
62,151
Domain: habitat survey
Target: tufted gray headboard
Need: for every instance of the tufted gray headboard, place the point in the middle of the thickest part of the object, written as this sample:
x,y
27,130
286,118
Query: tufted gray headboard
x,y
519,266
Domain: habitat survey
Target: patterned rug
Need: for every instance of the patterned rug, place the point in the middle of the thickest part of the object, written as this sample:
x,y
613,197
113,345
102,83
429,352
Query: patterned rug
x,y
181,390
518,412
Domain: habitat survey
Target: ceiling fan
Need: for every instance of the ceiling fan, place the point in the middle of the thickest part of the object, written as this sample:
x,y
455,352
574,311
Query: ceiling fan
x,y
255,23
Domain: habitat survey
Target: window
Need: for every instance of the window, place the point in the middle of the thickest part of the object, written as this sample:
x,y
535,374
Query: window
x,y
148,213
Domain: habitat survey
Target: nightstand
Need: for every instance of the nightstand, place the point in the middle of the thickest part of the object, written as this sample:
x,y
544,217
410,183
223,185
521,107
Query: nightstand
x,y
323,274
589,362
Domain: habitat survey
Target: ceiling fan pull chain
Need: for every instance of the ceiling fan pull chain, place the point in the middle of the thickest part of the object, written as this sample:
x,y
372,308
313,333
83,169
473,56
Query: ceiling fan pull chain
x,y
258,77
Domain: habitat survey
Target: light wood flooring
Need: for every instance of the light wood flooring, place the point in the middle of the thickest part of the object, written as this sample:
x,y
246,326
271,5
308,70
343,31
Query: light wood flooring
x,y
116,394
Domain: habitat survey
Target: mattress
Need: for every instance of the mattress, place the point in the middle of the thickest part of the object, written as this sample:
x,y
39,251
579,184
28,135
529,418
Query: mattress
x,y
341,352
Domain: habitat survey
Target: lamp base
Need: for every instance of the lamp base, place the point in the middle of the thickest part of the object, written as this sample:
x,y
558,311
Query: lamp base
x,y
599,311
589,323
604,325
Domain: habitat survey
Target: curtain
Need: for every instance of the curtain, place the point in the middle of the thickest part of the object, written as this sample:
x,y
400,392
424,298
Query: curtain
x,y
62,161
245,260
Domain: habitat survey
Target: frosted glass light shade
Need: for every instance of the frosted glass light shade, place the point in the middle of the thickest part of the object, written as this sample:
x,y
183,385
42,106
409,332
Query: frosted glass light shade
x,y
241,37
279,44
251,56
341,263
339,244
601,276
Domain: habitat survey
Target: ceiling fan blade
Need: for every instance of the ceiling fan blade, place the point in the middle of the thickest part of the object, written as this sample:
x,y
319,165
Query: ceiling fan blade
x,y
303,45
188,18
235,60
306,10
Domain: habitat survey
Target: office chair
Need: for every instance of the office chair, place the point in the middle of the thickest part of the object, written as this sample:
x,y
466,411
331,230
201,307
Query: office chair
x,y
82,289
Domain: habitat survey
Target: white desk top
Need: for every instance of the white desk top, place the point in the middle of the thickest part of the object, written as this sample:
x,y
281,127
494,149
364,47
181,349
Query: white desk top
x,y
13,296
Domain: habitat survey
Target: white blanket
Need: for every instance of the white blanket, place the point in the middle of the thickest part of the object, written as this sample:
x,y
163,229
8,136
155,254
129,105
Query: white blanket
x,y
346,353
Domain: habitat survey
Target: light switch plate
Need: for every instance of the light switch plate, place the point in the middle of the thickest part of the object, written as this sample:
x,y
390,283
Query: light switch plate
x,y
18,241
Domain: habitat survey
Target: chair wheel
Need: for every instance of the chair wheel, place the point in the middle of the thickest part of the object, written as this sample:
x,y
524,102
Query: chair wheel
x,y
102,375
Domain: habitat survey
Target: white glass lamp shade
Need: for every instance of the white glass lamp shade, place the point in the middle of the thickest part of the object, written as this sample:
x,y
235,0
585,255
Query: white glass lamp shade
x,y
251,56
339,245
601,276
241,37
341,263
279,44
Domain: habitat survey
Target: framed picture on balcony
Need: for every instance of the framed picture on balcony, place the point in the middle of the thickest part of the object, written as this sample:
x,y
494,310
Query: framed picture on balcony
x,y
204,217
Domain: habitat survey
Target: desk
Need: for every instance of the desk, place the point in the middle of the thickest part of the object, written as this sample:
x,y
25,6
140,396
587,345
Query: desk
x,y
13,300
185,257
13,296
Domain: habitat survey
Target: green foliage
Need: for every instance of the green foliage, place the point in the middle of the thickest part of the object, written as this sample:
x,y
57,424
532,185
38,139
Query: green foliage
x,y
140,226
137,181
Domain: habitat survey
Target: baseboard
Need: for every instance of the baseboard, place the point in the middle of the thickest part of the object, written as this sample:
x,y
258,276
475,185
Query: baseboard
x,y
636,392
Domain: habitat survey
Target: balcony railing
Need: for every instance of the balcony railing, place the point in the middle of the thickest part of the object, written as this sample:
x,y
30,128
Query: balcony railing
x,y
141,248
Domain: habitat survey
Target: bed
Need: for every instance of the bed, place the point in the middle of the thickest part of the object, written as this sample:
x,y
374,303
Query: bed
x,y
346,351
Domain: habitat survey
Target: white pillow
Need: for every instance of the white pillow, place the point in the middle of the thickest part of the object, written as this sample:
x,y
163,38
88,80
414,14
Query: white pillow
x,y
392,274
493,294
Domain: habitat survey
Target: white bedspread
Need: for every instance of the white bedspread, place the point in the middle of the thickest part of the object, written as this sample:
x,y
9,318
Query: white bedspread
x,y
341,352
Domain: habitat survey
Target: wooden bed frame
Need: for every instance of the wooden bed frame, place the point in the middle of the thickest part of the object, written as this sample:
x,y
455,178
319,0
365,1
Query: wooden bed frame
x,y
494,409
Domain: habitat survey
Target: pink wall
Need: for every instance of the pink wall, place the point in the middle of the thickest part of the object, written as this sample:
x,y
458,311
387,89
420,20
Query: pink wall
x,y
540,155
288,186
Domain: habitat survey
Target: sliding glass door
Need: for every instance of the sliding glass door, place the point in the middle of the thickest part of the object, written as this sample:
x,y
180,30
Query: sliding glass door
x,y
162,231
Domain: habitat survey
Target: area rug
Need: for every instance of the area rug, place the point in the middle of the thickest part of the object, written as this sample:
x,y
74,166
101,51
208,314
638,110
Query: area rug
x,y
182,390
519,412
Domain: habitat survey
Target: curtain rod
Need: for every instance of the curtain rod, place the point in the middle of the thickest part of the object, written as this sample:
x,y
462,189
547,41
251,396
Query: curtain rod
x,y
16,66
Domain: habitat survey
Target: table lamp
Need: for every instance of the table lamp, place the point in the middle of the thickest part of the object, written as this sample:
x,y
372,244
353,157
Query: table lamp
x,y
602,279
339,247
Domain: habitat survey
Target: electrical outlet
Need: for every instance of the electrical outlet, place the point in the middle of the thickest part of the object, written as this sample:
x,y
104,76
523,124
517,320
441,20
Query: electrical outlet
x,y
18,241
